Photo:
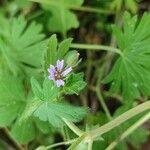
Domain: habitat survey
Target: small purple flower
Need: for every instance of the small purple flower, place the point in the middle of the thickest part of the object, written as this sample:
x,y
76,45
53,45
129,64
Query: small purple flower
x,y
58,73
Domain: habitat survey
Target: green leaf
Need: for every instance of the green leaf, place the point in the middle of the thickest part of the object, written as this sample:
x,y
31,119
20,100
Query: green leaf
x,y
74,84
50,90
138,137
22,4
48,93
44,127
51,52
24,132
64,47
31,106
21,44
55,112
11,99
61,19
36,88
49,109
130,75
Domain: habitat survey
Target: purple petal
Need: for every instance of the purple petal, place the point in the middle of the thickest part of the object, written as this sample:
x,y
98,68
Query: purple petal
x,y
66,72
60,83
51,77
60,65
51,70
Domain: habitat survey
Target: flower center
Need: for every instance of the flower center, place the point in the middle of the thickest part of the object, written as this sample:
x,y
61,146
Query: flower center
x,y
57,75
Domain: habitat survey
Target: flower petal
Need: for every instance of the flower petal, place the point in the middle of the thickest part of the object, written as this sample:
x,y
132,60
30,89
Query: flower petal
x,y
51,70
51,77
60,83
60,65
66,72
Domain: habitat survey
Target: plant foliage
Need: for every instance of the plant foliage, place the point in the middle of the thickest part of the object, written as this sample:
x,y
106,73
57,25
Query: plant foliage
x,y
130,74
62,18
21,45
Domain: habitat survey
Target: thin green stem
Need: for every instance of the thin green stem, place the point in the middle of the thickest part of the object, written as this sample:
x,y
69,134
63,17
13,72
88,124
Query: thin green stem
x,y
90,145
77,142
61,143
74,7
129,131
73,127
96,47
117,121
90,9
99,94
102,101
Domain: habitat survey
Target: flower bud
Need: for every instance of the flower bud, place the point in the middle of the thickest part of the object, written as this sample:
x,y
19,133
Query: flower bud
x,y
72,58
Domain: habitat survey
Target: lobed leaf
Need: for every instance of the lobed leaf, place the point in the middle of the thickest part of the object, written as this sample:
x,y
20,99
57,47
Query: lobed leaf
x,y
11,99
74,84
130,75
23,132
20,43
61,19
55,112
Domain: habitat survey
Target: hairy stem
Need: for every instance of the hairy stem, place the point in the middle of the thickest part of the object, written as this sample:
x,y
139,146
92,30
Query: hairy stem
x,y
129,131
101,99
73,127
90,145
119,120
74,7
61,143
90,9
96,47
76,143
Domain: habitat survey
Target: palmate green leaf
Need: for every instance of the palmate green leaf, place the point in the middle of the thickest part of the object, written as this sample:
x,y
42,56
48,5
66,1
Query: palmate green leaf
x,y
55,112
12,99
130,75
61,19
12,104
74,84
21,44
47,107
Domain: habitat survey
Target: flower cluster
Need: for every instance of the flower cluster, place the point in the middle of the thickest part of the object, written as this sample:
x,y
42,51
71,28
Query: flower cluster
x,y
58,73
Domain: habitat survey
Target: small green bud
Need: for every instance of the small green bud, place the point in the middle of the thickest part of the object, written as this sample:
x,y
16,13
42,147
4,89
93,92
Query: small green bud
x,y
72,58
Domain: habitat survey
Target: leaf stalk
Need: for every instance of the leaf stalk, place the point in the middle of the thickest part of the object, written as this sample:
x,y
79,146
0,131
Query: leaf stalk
x,y
96,47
